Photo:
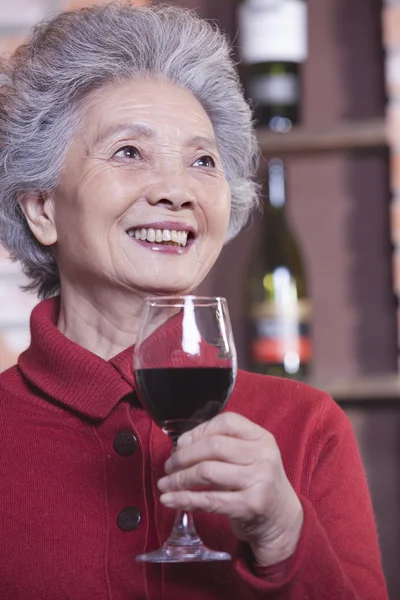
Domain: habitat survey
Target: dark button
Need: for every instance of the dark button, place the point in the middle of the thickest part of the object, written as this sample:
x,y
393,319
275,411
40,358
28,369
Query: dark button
x,y
129,518
125,443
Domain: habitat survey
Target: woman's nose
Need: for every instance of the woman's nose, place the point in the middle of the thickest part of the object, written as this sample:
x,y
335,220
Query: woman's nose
x,y
174,194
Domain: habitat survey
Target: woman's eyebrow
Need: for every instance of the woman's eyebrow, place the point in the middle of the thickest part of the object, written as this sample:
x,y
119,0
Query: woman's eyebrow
x,y
140,130
203,141
137,130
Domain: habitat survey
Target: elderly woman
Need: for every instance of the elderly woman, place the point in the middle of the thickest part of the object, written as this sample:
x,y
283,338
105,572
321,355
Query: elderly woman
x,y
116,120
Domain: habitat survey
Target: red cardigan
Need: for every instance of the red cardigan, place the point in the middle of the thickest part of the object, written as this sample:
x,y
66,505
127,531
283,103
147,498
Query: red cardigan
x,y
79,462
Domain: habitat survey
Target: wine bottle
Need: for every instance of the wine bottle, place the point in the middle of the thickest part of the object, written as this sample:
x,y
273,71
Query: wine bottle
x,y
273,43
278,303
273,35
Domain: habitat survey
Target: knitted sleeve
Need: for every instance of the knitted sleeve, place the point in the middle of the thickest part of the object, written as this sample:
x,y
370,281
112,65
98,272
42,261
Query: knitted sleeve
x,y
337,557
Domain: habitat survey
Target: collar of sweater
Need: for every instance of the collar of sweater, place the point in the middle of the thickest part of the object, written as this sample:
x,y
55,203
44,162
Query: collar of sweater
x,y
70,374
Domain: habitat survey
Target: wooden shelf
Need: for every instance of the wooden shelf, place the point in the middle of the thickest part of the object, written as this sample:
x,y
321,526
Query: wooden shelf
x,y
366,390
349,135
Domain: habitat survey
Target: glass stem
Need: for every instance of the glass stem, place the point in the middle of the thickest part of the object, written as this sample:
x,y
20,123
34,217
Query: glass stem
x,y
183,531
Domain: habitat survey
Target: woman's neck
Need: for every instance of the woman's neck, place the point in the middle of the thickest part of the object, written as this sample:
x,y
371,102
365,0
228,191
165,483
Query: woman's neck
x,y
102,325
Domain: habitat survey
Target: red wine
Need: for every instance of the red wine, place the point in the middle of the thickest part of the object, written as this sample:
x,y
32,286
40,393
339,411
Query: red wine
x,y
178,399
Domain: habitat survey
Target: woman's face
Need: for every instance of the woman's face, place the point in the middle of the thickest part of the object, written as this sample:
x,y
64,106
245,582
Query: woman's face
x,y
143,203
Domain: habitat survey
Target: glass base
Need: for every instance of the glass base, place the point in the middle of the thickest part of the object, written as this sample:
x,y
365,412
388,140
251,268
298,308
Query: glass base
x,y
183,545
175,554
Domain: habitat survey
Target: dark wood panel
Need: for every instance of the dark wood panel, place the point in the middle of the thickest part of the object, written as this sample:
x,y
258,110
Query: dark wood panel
x,y
378,434
339,208
343,77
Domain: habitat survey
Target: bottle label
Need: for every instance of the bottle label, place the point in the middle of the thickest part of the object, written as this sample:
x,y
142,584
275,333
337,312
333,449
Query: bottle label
x,y
273,31
282,337
280,89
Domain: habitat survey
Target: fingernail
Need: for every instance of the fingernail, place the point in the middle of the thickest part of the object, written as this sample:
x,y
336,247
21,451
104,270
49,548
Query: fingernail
x,y
167,499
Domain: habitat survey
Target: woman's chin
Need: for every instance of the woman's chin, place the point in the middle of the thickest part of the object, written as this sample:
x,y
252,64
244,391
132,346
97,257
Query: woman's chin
x,y
164,288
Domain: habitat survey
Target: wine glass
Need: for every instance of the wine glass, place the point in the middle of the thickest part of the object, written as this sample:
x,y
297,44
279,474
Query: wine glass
x,y
185,369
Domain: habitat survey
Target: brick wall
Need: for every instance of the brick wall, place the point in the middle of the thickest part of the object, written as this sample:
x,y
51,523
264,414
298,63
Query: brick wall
x,y
16,18
391,38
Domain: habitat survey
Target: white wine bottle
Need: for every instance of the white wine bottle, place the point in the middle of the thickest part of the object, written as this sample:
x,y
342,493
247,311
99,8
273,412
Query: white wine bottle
x,y
273,42
278,303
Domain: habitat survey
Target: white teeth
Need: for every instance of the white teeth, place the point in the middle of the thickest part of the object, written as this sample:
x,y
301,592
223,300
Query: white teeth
x,y
151,235
159,235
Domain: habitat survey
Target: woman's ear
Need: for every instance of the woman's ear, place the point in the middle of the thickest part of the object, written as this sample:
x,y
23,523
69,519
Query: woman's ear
x,y
39,211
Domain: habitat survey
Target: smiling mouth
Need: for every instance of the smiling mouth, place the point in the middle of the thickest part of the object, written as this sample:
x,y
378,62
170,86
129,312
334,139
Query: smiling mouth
x,y
164,237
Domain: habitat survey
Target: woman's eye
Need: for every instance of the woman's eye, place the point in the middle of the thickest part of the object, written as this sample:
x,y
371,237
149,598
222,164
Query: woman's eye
x,y
205,161
128,152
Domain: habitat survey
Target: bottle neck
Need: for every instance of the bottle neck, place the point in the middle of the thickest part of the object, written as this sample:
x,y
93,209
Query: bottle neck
x,y
275,93
276,185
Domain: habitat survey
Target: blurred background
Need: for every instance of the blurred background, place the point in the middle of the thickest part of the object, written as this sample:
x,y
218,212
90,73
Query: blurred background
x,y
336,150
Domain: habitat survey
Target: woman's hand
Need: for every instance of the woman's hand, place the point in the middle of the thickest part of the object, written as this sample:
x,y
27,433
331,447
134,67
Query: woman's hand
x,y
233,467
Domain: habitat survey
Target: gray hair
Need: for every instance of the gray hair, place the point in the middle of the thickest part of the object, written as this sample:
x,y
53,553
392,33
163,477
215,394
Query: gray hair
x,y
45,82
